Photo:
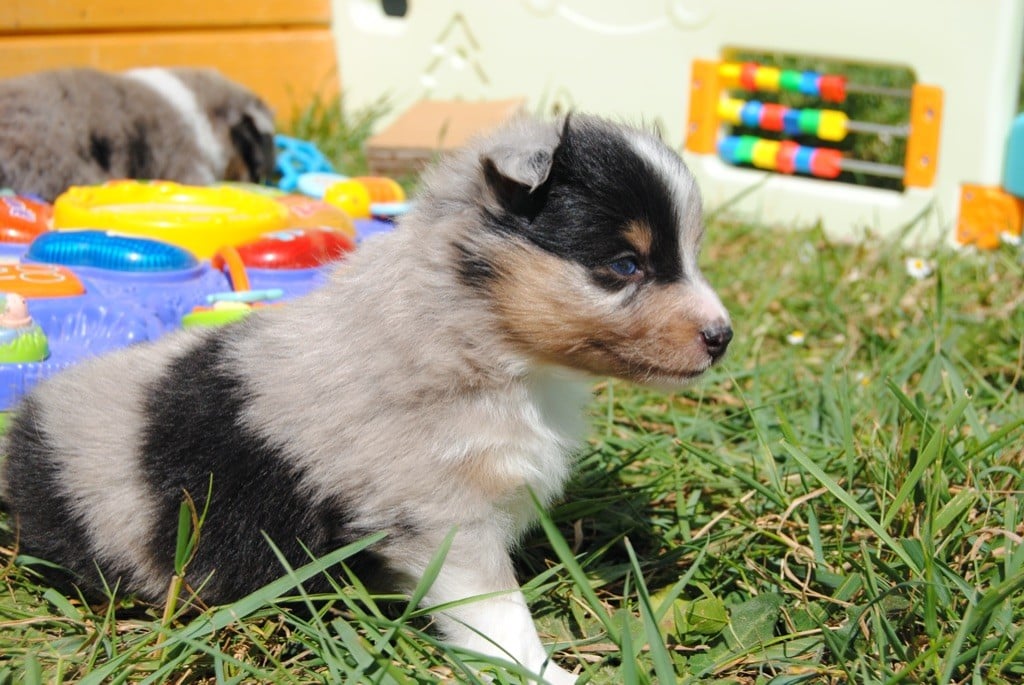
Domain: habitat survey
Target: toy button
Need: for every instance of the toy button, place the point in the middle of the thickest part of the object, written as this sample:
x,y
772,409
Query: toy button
x,y
39,280
22,219
303,248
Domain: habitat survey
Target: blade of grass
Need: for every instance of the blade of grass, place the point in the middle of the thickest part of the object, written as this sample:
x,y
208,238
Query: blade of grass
x,y
933,450
978,612
658,653
579,577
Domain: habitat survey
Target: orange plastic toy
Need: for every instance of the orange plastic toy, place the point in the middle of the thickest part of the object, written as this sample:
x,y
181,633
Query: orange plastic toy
x,y
986,212
39,280
22,219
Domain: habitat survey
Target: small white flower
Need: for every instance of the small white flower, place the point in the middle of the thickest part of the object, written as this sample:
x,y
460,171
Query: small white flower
x,y
807,253
1007,238
919,268
796,338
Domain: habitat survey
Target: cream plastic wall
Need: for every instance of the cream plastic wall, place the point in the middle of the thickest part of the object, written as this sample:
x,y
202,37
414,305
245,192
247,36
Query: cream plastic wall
x,y
632,60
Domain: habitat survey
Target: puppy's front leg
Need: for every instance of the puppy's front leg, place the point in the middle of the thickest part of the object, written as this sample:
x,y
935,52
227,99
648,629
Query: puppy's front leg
x,y
498,624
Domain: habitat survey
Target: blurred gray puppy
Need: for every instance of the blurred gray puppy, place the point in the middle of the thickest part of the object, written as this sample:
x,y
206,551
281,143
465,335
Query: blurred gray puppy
x,y
82,126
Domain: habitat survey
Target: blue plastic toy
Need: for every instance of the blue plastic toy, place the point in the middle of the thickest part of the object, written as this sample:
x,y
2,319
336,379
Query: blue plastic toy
x,y
1013,174
111,251
296,157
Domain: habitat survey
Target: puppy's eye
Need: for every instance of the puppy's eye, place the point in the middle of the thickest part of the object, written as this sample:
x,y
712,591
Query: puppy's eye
x,y
625,266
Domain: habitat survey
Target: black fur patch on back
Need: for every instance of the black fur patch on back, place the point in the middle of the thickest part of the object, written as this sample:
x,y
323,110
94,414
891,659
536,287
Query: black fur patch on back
x,y
140,158
194,435
46,523
99,150
599,185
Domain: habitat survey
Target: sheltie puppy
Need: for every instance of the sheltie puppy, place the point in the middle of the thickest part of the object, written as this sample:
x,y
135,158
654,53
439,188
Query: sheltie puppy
x,y
435,382
83,127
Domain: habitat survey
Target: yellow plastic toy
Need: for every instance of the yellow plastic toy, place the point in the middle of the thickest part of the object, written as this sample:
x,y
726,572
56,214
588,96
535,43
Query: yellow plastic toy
x,y
350,196
201,220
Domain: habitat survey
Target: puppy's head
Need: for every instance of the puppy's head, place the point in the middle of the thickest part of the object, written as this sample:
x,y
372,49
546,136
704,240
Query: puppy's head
x,y
242,122
589,252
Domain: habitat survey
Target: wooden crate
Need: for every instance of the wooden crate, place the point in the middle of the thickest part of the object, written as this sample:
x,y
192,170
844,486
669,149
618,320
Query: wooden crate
x,y
282,49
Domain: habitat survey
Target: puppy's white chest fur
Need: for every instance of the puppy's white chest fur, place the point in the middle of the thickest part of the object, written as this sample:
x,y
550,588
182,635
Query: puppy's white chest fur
x,y
524,440
556,418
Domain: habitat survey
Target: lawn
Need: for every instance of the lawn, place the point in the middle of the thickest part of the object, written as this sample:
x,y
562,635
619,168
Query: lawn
x,y
841,501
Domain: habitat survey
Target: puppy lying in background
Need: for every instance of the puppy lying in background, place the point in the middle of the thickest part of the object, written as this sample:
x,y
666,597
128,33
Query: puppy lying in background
x,y
82,126
437,379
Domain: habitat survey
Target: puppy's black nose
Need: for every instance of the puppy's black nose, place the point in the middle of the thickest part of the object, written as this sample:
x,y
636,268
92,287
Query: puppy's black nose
x,y
717,338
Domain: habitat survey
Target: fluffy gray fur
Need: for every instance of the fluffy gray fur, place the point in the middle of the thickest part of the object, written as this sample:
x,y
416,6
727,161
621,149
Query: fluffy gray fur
x,y
83,126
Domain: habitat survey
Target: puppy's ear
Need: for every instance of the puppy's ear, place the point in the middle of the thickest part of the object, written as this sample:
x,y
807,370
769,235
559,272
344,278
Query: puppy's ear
x,y
252,137
515,174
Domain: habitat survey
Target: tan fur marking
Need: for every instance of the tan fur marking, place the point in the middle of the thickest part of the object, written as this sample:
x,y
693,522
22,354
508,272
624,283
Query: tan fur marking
x,y
640,235
539,302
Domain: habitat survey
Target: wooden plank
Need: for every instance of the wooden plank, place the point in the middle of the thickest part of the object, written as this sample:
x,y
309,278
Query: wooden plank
x,y
40,16
287,67
443,124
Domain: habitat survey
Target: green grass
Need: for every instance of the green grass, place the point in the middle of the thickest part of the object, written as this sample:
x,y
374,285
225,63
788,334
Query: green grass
x,y
848,509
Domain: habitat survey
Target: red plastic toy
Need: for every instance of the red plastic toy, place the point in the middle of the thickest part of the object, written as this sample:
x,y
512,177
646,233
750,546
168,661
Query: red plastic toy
x,y
301,248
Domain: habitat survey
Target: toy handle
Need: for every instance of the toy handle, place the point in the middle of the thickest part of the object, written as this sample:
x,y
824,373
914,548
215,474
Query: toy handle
x,y
236,268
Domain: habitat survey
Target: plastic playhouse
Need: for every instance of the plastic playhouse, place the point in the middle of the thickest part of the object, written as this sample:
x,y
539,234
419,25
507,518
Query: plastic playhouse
x,y
636,61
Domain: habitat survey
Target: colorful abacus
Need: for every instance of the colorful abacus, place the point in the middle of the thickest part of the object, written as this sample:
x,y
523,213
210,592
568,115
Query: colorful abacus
x,y
709,109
